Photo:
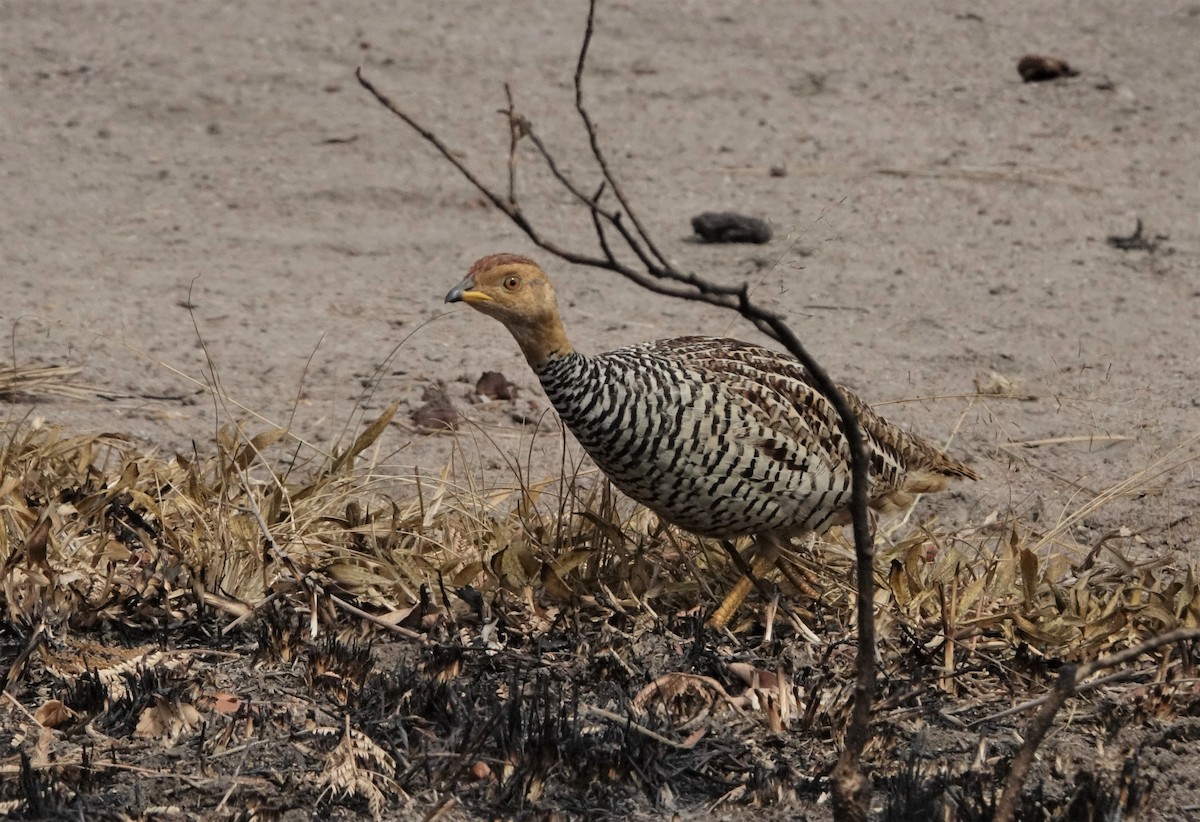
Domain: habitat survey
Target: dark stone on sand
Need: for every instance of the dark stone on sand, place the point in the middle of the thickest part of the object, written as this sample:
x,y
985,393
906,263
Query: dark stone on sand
x,y
496,386
438,413
1037,68
728,227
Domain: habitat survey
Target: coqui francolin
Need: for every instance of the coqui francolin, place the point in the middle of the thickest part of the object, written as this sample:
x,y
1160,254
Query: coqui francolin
x,y
723,438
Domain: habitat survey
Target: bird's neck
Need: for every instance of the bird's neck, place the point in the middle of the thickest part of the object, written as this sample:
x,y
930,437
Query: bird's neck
x,y
543,343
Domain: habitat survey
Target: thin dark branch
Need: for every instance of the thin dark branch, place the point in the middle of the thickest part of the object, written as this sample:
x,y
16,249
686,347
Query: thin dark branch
x,y
1129,654
1067,686
613,218
594,140
516,130
558,174
850,786
601,237
513,210
1006,808
431,138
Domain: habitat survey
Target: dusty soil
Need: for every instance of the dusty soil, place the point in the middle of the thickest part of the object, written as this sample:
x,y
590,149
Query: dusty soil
x,y
200,192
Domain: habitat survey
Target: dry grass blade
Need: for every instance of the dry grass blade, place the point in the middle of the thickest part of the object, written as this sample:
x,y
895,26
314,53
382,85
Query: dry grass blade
x,y
1084,440
255,446
41,381
1168,463
364,440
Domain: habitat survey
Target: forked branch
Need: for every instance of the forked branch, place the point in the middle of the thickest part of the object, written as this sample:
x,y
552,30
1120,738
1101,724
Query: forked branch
x,y
657,274
1069,679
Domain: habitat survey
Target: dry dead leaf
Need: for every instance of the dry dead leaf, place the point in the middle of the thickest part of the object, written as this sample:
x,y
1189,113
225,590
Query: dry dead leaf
x,y
682,696
54,714
226,703
993,383
166,719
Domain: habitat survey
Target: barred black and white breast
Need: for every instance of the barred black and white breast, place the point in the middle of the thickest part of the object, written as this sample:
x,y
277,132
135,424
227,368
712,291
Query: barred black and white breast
x,y
728,439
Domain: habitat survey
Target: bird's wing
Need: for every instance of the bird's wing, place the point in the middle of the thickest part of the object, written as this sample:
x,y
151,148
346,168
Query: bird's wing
x,y
781,392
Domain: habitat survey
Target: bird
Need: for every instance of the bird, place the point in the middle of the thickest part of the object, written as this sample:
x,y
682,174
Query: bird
x,y
722,438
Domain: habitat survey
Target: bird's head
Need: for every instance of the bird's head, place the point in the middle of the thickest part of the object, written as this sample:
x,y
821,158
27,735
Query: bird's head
x,y
516,291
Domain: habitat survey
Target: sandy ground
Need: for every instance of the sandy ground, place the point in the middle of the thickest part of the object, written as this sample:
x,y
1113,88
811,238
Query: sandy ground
x,y
191,178
939,219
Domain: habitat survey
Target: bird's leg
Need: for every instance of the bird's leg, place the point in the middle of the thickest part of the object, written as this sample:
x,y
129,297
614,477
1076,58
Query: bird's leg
x,y
768,554
802,582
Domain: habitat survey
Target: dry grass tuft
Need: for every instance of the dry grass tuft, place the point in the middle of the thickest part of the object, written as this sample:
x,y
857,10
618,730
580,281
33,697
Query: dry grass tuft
x,y
515,646
25,382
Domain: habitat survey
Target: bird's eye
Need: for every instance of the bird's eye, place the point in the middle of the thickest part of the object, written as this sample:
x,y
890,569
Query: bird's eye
x,y
511,283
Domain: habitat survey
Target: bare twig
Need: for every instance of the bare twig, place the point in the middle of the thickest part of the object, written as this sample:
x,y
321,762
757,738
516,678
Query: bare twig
x,y
1066,686
1006,808
1129,654
628,723
851,790
516,130
1030,704
594,140
374,620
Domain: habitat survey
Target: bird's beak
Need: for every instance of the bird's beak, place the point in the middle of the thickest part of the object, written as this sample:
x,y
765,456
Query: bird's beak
x,y
465,292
